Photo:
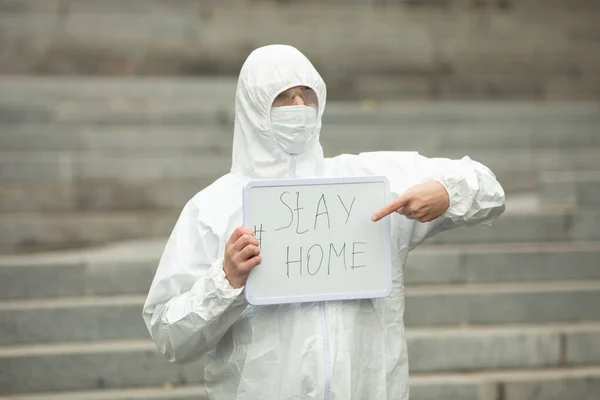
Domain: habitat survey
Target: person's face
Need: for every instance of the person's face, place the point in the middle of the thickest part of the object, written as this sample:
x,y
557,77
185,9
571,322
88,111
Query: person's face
x,y
296,96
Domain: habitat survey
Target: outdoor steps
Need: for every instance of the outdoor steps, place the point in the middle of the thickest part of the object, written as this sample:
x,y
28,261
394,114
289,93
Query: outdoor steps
x,y
27,322
577,188
94,195
98,195
127,268
530,384
158,180
61,167
509,312
88,366
580,383
167,391
199,99
524,315
130,92
181,6
95,144
66,166
48,299
120,153
450,52
92,271
161,195
39,231
31,231
100,134
464,133
135,363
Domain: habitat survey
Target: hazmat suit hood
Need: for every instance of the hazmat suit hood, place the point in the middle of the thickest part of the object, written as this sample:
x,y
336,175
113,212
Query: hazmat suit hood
x,y
267,72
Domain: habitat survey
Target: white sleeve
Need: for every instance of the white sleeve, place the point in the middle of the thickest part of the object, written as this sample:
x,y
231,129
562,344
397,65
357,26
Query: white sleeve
x,y
190,305
475,194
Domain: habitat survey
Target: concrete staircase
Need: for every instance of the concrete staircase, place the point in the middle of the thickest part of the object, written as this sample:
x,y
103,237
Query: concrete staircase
x,y
516,319
411,49
509,312
86,161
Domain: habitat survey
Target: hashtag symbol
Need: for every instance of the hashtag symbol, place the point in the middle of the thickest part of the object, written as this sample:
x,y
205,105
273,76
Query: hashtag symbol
x,y
258,234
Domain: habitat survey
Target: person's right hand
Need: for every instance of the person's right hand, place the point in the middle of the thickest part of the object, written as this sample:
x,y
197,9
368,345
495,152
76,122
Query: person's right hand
x,y
241,255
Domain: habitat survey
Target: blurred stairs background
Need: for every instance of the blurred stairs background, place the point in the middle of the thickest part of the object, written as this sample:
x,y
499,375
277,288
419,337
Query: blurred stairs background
x,y
383,49
95,169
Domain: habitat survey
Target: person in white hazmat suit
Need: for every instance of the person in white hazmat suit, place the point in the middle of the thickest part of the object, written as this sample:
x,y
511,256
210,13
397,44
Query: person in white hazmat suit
x,y
353,349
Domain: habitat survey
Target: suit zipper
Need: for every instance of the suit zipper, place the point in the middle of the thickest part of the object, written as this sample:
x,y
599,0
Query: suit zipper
x,y
326,354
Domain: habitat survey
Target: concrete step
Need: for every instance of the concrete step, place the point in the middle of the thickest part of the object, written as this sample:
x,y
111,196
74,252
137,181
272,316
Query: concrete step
x,y
129,194
167,194
68,166
72,319
500,160
121,268
158,100
185,7
213,138
502,303
528,227
156,179
194,139
183,392
214,26
581,383
504,161
505,347
525,262
528,384
39,231
465,136
72,98
15,113
572,187
134,92
119,317
107,7
130,363
90,366
98,195
538,6
128,268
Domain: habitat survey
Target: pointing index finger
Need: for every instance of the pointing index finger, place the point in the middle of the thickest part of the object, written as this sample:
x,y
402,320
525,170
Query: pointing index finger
x,y
390,208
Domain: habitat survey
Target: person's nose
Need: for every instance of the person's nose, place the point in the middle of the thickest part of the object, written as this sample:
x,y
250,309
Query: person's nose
x,y
297,100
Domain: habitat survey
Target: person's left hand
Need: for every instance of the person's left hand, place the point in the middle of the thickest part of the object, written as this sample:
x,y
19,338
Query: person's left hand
x,y
424,202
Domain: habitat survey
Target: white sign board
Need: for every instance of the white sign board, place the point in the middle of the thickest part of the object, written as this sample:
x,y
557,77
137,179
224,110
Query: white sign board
x,y
317,239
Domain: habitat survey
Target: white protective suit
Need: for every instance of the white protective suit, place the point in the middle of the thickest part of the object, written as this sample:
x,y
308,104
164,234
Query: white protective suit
x,y
334,350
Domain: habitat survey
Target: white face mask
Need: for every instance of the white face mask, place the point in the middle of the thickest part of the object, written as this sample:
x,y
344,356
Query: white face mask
x,y
293,126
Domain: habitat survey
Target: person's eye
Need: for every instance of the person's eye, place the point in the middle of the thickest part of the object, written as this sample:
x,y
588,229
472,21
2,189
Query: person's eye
x,y
310,96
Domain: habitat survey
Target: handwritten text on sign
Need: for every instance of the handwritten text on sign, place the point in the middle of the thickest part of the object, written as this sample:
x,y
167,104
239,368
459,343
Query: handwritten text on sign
x,y
315,253
317,239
